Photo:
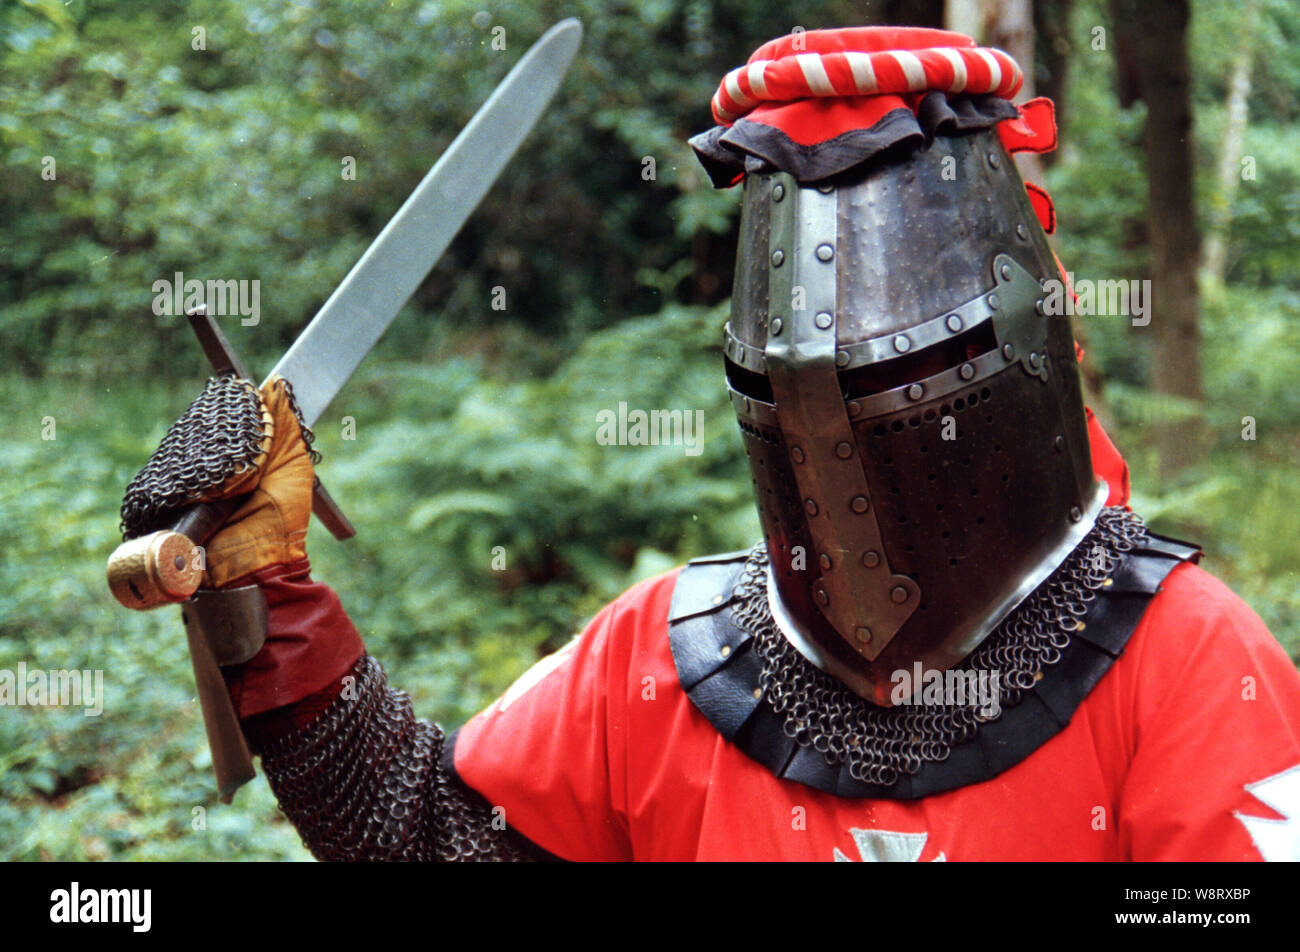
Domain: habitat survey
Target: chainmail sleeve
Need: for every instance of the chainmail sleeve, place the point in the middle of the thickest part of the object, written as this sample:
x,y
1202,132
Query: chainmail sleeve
x,y
364,780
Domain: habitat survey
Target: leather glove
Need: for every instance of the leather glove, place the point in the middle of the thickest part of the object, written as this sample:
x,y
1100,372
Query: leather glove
x,y
270,526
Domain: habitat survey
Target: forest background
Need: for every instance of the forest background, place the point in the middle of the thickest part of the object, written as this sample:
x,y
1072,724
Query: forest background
x,y
140,139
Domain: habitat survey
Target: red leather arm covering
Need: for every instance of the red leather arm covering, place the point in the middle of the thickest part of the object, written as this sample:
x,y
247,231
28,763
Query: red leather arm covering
x,y
311,644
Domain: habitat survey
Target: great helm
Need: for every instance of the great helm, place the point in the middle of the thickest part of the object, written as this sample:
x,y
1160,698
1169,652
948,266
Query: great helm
x,y
913,423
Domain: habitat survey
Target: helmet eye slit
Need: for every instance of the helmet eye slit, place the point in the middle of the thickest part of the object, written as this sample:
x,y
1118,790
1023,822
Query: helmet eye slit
x,y
910,368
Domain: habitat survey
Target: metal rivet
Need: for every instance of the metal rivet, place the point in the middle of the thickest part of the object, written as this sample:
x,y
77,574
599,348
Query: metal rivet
x,y
902,343
725,650
854,408
1059,443
843,450
1035,360
871,558
1075,514
898,595
915,391
1006,272
993,161
777,324
1022,232
810,507
1038,676
822,597
1038,306
717,599
778,192
863,635
841,358
1008,351
824,561
758,693
778,257
823,320
797,454
967,371
179,562
859,504
993,302
826,188
954,323
825,252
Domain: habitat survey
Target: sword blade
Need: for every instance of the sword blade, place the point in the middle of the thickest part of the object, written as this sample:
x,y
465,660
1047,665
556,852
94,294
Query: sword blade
x,y
359,311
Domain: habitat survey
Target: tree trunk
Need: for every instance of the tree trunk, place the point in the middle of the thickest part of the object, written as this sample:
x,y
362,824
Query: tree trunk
x,y
1157,31
1009,26
1052,58
1214,260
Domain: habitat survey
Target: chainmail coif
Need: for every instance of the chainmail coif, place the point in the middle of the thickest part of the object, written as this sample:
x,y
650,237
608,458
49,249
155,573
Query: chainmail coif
x,y
881,744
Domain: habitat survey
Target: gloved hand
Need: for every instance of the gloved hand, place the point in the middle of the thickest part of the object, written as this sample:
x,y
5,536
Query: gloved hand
x,y
233,441
238,441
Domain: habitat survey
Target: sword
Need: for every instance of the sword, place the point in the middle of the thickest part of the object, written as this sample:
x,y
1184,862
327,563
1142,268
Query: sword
x,y
156,569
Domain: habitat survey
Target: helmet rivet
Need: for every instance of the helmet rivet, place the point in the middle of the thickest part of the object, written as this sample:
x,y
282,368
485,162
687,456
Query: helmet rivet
x,y
1059,443
796,454
777,324
1008,351
843,450
841,358
854,408
993,161
725,650
859,504
1075,513
825,252
863,635
810,507
825,561
1006,272
778,192
1022,232
1038,307
778,257
898,595
902,343
823,320
967,371
822,597
826,188
758,693
954,323
993,302
871,558
915,391
1035,360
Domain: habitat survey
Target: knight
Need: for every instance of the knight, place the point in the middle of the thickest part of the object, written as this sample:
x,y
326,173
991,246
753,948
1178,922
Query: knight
x,y
938,509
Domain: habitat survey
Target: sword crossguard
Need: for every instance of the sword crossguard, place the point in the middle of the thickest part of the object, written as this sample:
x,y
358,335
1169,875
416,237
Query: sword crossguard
x,y
224,359
157,569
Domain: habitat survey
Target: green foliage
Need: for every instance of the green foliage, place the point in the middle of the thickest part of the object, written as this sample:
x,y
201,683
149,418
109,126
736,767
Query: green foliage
x,y
472,433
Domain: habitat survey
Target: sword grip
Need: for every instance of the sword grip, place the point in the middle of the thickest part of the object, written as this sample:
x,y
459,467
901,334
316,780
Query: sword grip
x,y
161,568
